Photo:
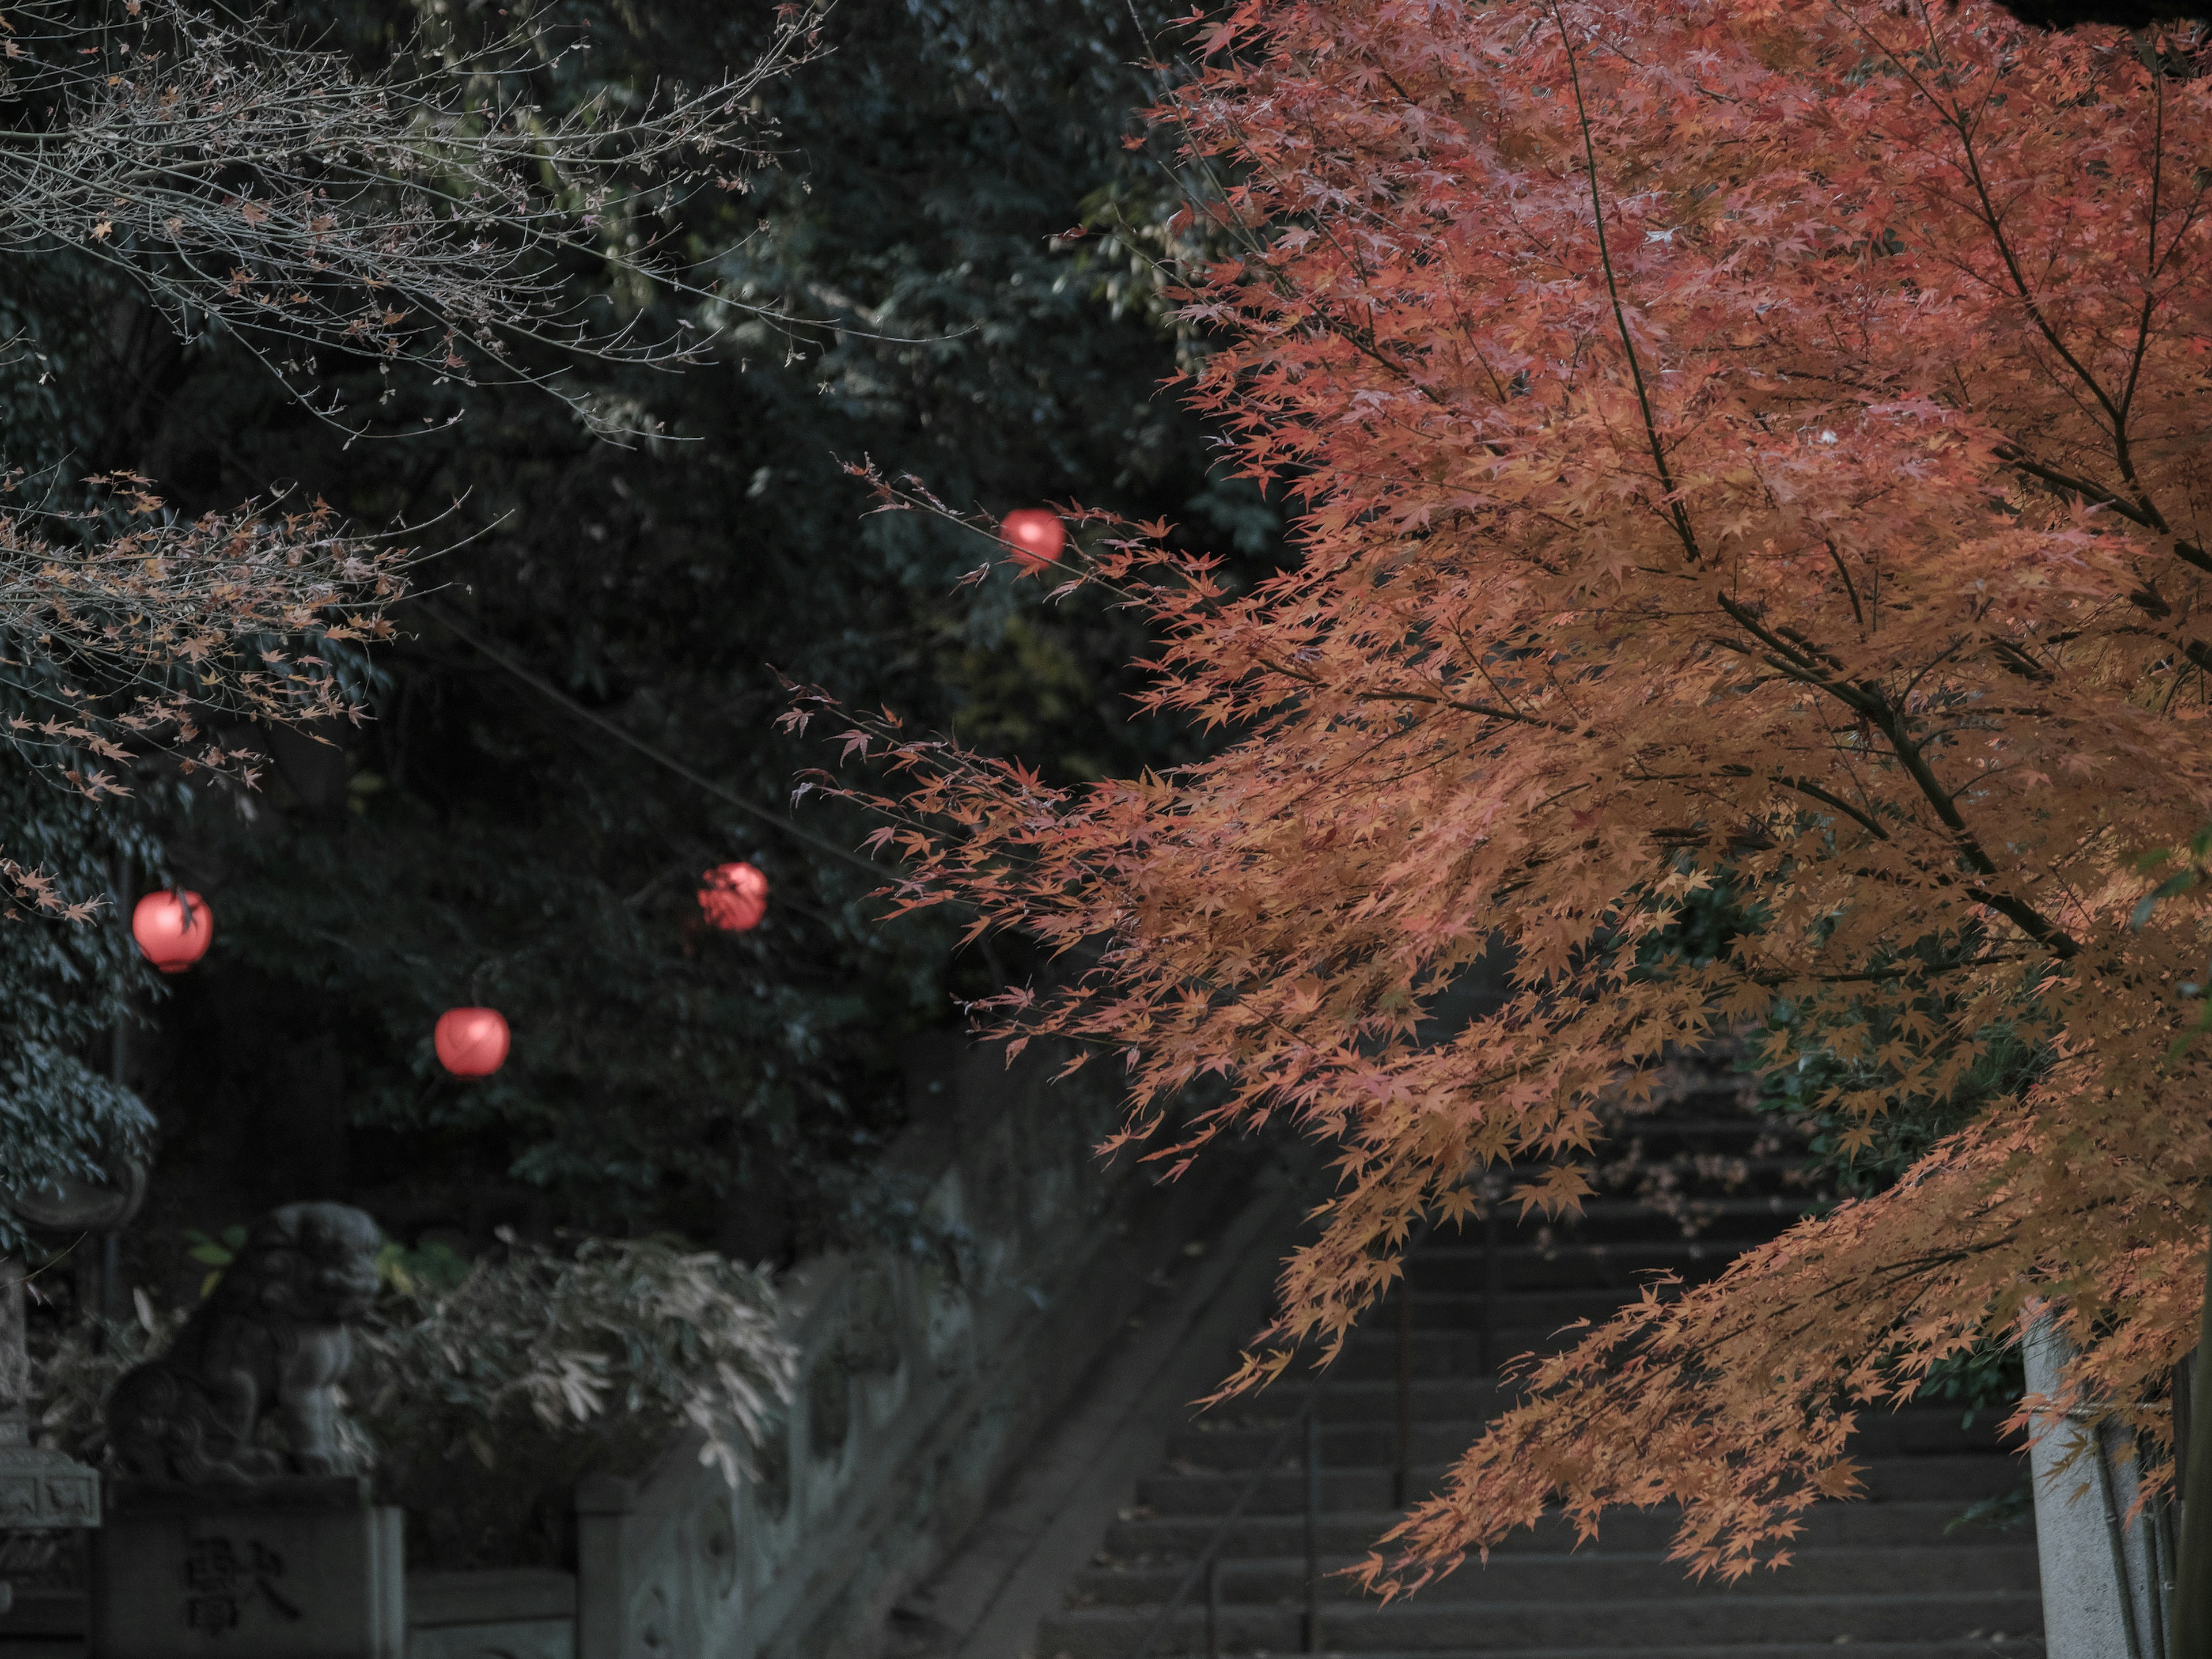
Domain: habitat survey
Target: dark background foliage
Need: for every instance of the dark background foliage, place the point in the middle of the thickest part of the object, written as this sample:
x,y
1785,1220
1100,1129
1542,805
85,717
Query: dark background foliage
x,y
477,841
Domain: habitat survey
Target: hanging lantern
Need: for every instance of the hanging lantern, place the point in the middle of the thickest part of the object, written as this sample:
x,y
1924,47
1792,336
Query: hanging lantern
x,y
470,1042
1034,536
734,897
173,929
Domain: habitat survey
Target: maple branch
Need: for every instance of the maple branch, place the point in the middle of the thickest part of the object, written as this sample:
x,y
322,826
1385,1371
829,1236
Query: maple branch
x,y
1994,222
1891,722
1797,661
2141,511
2115,412
1806,787
2015,660
1484,709
2150,250
1676,512
1918,975
1363,340
1851,588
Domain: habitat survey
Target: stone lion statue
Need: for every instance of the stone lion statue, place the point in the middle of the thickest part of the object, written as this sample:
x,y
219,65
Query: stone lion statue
x,y
270,1339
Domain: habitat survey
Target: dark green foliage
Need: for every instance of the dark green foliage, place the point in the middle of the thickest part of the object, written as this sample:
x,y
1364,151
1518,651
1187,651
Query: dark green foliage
x,y
1984,1378
63,990
1853,1158
1862,1158
84,369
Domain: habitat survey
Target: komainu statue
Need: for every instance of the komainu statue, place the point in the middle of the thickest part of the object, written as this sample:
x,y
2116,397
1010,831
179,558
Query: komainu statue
x,y
270,1339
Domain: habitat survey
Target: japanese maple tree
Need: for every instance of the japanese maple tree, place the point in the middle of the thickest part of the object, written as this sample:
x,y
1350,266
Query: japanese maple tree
x,y
1752,448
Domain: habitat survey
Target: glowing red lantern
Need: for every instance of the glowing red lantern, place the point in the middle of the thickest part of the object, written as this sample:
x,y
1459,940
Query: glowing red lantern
x,y
1034,536
734,897
173,929
470,1042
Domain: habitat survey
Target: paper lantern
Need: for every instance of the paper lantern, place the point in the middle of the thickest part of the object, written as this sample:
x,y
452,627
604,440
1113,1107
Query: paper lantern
x,y
734,897
1034,536
173,929
470,1042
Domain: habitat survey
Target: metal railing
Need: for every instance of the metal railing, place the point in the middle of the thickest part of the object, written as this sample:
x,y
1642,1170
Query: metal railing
x,y
1204,1574
1206,1566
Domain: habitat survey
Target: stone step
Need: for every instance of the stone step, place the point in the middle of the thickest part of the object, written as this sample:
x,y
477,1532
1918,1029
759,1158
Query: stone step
x,y
39,1615
1695,1116
1373,1440
1960,1477
1998,1645
1455,1261
1354,1399
1722,1093
1650,1164
1546,1308
1538,1325
1369,1354
1717,1156
1372,1402
1682,1192
1591,1576
1924,1523
1420,1625
1740,1218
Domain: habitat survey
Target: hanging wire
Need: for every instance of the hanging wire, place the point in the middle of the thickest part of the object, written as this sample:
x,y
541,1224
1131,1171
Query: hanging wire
x,y
653,752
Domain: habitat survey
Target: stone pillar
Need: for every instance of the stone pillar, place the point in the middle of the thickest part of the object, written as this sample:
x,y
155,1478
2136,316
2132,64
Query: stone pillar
x,y
2103,1597
605,1579
39,1490
294,1567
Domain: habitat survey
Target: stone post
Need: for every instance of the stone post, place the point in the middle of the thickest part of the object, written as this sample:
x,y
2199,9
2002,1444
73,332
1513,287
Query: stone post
x,y
43,1491
2104,1596
39,1490
605,1579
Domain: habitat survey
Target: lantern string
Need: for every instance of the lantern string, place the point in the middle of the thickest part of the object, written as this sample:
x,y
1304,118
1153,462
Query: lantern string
x,y
652,752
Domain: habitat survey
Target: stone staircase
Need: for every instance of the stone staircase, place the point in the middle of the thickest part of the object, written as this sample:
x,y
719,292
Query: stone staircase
x,y
1683,1188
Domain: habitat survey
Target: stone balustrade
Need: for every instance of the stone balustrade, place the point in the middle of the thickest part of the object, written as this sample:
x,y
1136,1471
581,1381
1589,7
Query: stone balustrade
x,y
923,1374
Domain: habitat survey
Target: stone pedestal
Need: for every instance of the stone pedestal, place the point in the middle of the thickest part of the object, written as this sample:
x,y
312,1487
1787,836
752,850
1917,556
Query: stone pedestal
x,y
41,1492
287,1568
39,1489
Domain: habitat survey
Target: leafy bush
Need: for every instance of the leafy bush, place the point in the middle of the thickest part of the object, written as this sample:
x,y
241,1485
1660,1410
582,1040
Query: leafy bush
x,y
482,1391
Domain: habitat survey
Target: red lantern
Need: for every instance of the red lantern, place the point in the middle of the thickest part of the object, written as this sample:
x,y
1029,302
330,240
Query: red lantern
x,y
470,1042
173,929
1034,536
734,897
